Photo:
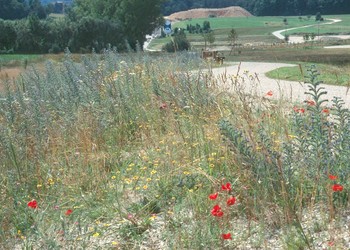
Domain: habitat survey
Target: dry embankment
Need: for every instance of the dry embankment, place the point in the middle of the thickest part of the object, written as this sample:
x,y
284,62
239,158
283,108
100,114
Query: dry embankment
x,y
233,11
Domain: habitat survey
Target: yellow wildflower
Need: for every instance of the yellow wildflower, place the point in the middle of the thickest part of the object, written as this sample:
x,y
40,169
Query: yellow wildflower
x,y
50,181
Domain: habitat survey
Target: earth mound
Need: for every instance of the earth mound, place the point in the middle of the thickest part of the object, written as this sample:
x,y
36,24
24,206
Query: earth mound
x,y
233,11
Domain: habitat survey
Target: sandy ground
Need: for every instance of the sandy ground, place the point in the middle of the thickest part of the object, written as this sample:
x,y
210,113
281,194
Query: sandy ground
x,y
233,11
257,82
9,74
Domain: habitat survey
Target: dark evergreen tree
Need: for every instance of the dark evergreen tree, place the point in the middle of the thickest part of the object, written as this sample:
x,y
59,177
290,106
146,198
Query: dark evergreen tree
x,y
13,9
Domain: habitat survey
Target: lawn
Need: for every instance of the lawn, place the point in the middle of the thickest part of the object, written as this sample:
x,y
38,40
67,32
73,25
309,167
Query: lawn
x,y
330,74
341,28
249,29
257,30
247,22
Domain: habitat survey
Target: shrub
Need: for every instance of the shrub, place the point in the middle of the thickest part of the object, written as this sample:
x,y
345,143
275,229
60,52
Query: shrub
x,y
178,43
8,35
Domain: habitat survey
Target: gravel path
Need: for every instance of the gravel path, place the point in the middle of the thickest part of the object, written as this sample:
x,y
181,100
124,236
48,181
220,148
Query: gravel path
x,y
338,46
256,81
299,39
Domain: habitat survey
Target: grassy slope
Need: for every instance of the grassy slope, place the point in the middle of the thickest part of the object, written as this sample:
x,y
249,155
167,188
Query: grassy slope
x,y
336,28
122,129
134,146
256,29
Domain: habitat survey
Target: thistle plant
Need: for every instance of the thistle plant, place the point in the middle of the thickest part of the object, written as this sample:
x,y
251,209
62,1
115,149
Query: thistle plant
x,y
293,167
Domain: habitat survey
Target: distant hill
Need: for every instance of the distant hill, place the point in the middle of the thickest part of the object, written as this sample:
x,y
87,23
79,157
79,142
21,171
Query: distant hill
x,y
264,7
233,11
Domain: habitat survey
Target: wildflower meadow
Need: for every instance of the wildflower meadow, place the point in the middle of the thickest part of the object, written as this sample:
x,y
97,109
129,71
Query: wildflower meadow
x,y
139,151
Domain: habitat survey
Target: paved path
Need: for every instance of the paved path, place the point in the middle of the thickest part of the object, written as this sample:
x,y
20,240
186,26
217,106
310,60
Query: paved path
x,y
256,82
298,39
338,47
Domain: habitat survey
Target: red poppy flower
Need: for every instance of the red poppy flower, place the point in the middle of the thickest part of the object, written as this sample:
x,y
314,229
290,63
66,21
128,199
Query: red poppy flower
x,y
337,188
310,102
68,212
226,186
325,111
219,213
33,204
216,211
226,236
163,106
231,201
216,208
299,110
270,93
213,196
332,177
330,243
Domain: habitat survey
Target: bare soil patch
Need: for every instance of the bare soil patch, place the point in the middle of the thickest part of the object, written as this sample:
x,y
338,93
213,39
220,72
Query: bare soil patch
x,y
233,11
9,74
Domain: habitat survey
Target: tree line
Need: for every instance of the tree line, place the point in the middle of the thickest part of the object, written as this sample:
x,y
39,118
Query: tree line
x,y
96,24
88,25
265,7
54,35
18,9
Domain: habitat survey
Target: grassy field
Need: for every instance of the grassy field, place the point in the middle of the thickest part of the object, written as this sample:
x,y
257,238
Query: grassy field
x,y
17,59
341,28
259,24
330,74
147,150
257,29
290,53
131,151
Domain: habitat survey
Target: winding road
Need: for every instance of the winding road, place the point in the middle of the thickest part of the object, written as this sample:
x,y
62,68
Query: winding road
x,y
300,39
255,81
297,39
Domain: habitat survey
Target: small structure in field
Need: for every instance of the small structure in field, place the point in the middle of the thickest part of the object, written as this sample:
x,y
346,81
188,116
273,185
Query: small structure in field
x,y
213,55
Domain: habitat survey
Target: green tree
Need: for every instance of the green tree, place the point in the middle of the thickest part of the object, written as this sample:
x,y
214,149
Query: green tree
x,y
8,35
35,7
232,38
92,33
286,38
179,42
318,17
206,26
138,18
209,37
312,36
13,9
